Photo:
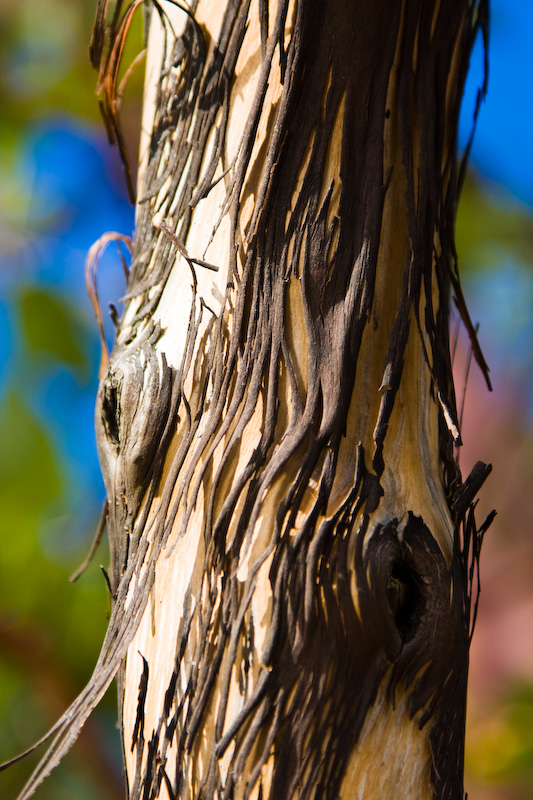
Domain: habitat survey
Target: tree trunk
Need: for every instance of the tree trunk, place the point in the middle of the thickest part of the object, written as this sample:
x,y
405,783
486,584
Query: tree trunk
x,y
293,550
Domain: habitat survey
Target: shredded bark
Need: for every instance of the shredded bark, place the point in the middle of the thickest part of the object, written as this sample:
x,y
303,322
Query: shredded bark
x,y
410,621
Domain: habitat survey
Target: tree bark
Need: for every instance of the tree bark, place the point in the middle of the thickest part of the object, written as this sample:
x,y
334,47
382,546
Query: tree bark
x,y
293,548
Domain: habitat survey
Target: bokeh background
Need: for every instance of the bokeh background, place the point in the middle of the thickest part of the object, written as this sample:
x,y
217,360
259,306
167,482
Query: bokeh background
x,y
61,187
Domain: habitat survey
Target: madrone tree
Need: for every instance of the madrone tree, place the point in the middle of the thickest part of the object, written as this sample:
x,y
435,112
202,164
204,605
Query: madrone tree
x,y
293,548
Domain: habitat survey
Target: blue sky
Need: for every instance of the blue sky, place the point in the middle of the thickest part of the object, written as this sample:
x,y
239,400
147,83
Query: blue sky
x,y
502,149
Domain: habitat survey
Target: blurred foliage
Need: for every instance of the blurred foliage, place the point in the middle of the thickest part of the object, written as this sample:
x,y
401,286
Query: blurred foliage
x,y
45,73
491,224
50,329
494,239
44,63
500,748
50,629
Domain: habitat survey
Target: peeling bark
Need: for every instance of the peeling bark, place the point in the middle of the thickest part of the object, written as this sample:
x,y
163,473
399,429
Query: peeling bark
x,y
293,548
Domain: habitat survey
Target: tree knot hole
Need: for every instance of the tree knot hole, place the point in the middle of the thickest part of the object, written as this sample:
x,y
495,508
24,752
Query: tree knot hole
x,y
405,599
111,413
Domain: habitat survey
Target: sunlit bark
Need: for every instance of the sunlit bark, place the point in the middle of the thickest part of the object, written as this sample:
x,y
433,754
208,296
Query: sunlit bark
x,y
294,478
